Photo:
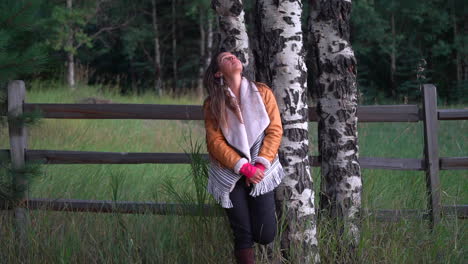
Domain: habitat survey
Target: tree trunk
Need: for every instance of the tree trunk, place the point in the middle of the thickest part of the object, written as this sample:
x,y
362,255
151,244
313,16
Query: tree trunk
x,y
70,56
202,60
157,54
281,44
71,70
464,56
234,36
209,41
457,56
393,59
335,82
174,47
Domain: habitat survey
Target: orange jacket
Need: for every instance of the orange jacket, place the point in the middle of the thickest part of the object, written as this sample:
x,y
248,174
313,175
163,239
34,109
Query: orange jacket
x,y
228,157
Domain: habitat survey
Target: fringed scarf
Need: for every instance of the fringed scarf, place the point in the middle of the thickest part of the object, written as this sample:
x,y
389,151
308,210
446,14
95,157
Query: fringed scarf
x,y
245,133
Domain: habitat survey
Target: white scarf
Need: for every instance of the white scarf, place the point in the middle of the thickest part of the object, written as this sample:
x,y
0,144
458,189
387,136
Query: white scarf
x,y
242,136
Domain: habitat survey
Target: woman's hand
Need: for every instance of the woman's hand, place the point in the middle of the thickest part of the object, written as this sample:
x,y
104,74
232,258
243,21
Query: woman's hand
x,y
252,173
256,178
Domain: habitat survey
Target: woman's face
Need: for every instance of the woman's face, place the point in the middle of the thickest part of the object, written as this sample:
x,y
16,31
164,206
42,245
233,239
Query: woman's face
x,y
228,65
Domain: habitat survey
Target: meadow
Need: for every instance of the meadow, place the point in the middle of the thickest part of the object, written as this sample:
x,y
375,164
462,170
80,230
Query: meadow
x,y
60,237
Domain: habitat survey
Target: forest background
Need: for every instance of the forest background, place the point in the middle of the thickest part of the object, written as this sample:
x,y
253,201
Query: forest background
x,y
125,50
163,46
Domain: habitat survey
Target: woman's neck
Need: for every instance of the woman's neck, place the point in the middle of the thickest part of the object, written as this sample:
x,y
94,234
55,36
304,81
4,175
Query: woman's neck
x,y
234,82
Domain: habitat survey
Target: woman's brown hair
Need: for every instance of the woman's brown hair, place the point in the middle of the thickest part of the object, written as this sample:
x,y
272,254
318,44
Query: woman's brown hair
x,y
218,93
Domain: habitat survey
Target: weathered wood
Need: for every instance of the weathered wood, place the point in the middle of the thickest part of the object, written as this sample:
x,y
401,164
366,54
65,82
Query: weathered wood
x,y
117,111
18,137
384,215
123,207
92,157
381,113
459,210
431,151
128,207
454,163
391,163
388,113
453,114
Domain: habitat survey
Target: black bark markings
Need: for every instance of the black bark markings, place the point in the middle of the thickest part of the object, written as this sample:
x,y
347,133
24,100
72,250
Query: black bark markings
x,y
301,184
288,20
334,135
295,134
336,10
236,8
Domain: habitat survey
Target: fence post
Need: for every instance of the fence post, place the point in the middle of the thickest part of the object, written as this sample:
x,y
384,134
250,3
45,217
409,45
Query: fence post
x,y
18,140
431,152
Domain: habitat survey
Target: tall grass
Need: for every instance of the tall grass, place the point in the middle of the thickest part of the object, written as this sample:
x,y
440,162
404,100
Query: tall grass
x,y
60,237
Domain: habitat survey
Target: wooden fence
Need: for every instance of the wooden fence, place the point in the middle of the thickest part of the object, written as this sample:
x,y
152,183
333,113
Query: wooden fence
x,y
19,153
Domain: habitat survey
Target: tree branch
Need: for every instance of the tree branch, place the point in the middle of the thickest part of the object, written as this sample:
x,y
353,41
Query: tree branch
x,y
148,55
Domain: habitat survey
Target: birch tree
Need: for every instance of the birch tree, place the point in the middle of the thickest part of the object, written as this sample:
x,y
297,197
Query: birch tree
x,y
174,45
70,55
205,25
333,59
157,53
233,32
67,30
282,53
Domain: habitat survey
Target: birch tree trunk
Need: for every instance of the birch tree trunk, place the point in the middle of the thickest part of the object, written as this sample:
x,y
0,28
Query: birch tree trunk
x,y
201,64
70,56
335,82
209,41
157,54
281,44
234,36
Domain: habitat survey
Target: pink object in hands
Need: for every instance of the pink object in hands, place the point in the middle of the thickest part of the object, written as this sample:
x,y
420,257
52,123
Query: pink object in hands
x,y
260,166
248,170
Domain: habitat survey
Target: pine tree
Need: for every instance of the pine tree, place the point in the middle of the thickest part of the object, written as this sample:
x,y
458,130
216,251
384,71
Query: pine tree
x,y
21,54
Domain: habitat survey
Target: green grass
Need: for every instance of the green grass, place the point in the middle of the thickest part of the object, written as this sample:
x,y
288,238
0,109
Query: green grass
x,y
58,237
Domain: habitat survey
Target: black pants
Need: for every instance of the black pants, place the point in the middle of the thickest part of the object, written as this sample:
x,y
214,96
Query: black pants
x,y
252,219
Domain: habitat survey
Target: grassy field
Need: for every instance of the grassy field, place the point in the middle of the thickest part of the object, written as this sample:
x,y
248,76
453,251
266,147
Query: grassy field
x,y
111,238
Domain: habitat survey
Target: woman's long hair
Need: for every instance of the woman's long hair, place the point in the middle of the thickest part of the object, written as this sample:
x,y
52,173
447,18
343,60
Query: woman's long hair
x,y
220,98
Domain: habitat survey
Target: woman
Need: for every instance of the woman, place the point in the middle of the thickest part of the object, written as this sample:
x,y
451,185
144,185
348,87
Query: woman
x,y
243,134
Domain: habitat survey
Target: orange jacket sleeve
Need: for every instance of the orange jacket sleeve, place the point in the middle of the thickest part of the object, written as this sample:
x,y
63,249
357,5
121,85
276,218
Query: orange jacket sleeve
x,y
274,132
216,143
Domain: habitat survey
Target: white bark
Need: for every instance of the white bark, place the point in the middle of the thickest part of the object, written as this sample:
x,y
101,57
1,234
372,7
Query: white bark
x,y
71,70
157,54
202,43
234,36
209,41
281,44
335,82
70,56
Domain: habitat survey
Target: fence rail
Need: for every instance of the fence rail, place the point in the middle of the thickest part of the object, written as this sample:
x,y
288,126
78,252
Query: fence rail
x,y
131,207
370,113
431,163
96,157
